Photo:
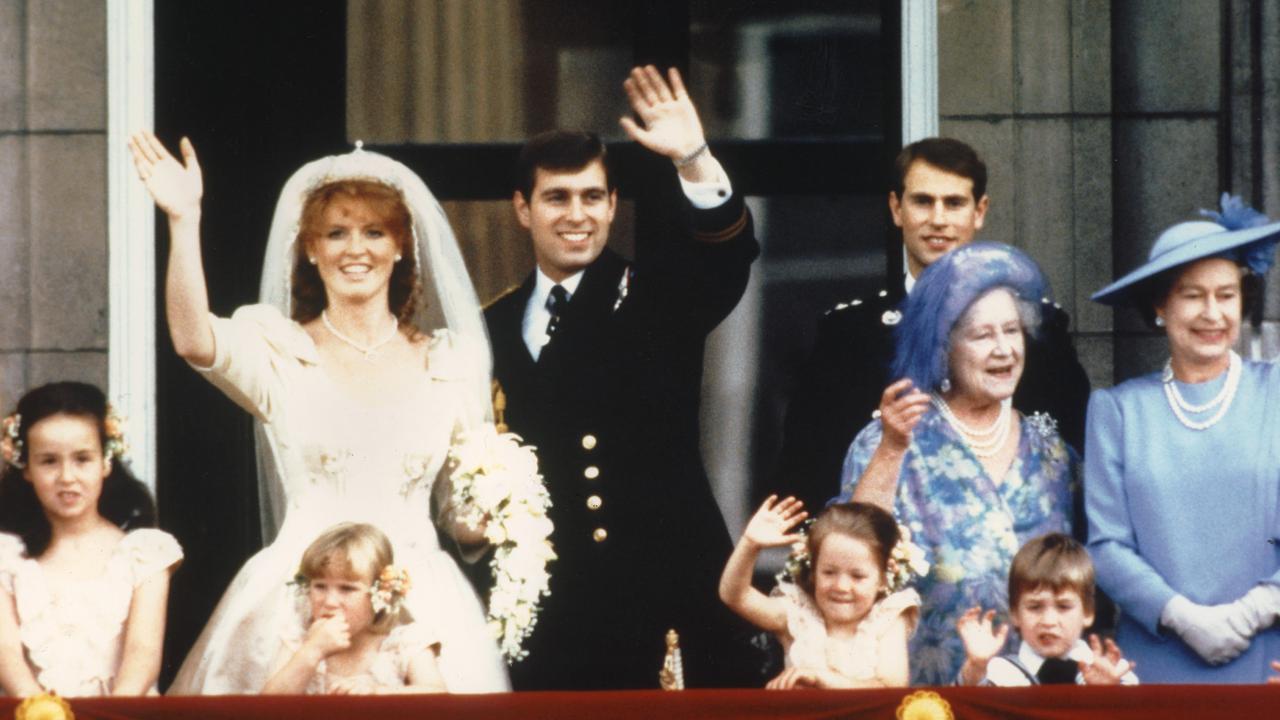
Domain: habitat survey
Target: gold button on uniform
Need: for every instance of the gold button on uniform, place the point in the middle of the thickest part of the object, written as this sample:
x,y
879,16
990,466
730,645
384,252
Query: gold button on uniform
x,y
594,502
588,442
591,473
599,535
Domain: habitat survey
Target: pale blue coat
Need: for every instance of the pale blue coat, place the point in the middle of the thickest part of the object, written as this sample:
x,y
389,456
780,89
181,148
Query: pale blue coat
x,y
1177,511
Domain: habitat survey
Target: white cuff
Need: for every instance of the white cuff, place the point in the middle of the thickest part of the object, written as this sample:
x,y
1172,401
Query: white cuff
x,y
708,195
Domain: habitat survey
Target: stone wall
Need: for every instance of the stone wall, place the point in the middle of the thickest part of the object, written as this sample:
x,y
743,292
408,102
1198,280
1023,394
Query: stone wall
x,y
53,194
1103,123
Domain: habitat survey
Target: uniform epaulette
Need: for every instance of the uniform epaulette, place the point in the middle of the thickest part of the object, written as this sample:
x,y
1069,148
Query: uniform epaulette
x,y
501,295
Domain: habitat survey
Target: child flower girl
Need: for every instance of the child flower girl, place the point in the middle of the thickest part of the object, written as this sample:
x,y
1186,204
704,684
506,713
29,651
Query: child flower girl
x,y
844,620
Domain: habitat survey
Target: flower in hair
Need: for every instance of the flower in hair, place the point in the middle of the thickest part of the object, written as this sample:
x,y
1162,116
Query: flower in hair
x,y
389,589
799,561
113,426
11,440
1236,215
906,562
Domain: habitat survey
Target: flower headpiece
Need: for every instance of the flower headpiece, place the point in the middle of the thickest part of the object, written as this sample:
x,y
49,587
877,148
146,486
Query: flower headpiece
x,y
389,589
11,438
906,562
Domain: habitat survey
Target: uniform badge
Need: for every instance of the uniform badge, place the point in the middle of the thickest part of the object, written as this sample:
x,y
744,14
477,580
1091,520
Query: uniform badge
x,y
624,287
891,317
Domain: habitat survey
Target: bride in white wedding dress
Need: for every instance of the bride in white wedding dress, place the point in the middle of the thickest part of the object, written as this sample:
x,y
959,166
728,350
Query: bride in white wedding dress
x,y
365,360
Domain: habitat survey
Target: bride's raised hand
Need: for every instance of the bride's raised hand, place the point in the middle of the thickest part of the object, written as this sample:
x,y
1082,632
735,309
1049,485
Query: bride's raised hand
x,y
175,186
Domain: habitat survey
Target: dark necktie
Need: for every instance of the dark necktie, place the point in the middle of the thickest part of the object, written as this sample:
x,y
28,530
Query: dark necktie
x,y
556,302
1058,671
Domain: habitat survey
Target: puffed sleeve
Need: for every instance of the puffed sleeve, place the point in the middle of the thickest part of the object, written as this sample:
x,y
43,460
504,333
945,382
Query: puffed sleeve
x,y
857,459
11,555
253,350
904,603
1122,571
149,552
407,642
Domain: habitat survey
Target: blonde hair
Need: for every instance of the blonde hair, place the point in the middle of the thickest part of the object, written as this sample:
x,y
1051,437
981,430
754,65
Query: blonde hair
x,y
1055,561
354,551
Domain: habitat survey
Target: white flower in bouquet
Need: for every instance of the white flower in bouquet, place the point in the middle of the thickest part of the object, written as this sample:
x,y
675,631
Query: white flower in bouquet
x,y
495,481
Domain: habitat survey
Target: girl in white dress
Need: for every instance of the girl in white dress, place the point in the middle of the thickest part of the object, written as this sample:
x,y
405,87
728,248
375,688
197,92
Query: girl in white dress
x,y
840,624
353,637
367,358
83,580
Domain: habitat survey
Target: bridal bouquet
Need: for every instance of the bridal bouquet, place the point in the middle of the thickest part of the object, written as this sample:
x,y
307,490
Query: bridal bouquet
x,y
496,484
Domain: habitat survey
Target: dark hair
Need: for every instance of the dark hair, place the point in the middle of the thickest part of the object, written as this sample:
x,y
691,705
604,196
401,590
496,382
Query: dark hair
x,y
124,500
1055,561
860,521
562,150
308,291
1154,291
947,154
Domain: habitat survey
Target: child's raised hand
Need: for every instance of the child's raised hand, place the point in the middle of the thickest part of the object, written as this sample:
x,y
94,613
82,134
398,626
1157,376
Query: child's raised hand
x,y
328,635
1275,665
1108,667
773,523
175,187
982,641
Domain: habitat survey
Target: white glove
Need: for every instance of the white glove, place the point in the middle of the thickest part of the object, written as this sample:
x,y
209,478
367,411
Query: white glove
x,y
1257,609
1218,633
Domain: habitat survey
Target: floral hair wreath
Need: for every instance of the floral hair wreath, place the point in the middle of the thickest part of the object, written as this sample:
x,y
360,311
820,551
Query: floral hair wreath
x,y
113,425
906,560
386,594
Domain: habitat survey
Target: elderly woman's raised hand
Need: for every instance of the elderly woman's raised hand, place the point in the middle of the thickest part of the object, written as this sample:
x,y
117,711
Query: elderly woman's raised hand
x,y
773,523
901,407
175,187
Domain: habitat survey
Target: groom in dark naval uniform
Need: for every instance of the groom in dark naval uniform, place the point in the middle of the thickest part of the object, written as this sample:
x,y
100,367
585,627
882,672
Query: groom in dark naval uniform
x,y
600,360
939,200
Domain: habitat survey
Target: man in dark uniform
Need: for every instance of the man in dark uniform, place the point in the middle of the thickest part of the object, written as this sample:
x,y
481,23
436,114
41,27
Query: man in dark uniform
x,y
600,359
940,202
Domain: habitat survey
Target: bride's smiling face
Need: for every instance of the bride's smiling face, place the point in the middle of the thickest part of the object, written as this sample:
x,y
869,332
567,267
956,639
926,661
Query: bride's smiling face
x,y
354,251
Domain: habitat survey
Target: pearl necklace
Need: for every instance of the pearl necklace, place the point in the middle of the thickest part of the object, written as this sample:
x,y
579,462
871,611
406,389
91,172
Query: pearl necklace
x,y
368,351
984,442
1222,401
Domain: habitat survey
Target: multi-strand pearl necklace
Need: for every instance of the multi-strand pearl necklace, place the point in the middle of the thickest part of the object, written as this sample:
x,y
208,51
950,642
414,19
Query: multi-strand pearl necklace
x,y
368,351
984,442
1220,402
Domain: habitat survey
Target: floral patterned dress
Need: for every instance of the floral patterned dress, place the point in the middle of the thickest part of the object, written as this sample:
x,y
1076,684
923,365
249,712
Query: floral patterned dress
x,y
969,527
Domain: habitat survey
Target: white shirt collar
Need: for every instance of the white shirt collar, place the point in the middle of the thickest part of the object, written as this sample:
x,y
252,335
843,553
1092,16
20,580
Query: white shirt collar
x,y
1032,660
542,285
908,281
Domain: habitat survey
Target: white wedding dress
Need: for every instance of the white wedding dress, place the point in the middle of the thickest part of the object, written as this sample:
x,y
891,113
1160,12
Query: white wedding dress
x,y
337,459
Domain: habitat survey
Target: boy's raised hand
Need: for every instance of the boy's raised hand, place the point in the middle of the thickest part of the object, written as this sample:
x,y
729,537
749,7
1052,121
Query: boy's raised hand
x,y
1108,667
982,641
773,523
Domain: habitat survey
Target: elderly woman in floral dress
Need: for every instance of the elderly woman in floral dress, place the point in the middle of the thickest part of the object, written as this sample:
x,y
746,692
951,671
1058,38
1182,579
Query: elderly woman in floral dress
x,y
968,475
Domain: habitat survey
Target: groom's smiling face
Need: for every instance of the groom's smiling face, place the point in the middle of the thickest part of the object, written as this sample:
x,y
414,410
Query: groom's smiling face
x,y
568,214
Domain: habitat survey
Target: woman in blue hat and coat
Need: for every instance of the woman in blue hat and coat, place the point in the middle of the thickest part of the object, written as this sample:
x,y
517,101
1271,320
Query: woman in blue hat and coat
x,y
969,476
1182,467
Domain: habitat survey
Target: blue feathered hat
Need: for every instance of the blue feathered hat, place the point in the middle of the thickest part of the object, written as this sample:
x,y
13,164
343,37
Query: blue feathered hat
x,y
1237,233
943,293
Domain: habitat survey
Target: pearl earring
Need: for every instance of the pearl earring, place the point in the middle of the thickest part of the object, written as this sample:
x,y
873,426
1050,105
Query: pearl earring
x,y
399,257
312,259
945,385
1159,321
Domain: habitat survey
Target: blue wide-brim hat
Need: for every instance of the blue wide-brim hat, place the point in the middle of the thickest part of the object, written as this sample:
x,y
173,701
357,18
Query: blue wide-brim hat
x,y
1238,233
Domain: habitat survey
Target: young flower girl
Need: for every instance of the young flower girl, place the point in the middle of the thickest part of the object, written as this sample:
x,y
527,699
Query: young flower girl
x,y
352,636
84,579
843,620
